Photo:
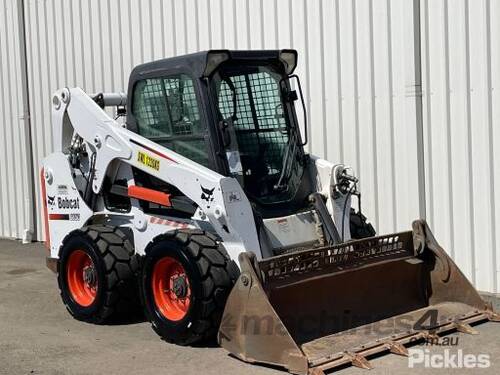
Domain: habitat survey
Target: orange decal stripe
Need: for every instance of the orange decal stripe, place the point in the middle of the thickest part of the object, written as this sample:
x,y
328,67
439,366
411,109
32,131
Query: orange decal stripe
x,y
45,210
149,195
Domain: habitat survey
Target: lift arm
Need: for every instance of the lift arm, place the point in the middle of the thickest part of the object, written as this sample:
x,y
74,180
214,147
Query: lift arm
x,y
220,198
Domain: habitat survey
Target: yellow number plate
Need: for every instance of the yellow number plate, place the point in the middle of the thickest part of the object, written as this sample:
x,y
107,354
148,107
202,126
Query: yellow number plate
x,y
148,161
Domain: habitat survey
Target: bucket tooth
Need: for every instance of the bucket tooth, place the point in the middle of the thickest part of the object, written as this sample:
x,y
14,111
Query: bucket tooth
x,y
316,371
430,336
494,317
465,328
397,348
359,361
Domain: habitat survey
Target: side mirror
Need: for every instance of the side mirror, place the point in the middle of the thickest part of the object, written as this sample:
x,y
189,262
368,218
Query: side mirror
x,y
290,95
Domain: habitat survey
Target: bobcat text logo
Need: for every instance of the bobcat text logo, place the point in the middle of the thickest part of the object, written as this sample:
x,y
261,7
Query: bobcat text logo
x,y
67,203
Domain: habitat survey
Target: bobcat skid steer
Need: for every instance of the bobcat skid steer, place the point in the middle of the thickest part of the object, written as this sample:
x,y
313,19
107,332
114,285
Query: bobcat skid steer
x,y
203,207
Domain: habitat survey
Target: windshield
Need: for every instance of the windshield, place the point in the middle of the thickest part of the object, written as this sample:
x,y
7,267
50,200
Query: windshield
x,y
262,128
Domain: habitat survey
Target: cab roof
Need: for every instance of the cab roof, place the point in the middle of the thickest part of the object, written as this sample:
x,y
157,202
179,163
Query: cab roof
x,y
203,64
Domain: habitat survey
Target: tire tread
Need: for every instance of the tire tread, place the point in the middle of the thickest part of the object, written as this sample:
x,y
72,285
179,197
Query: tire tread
x,y
218,272
121,268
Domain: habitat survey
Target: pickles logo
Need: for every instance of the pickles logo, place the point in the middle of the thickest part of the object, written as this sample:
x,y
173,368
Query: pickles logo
x,y
448,359
148,161
68,203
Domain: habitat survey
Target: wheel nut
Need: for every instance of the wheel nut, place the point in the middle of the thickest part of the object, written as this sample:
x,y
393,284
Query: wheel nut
x,y
180,287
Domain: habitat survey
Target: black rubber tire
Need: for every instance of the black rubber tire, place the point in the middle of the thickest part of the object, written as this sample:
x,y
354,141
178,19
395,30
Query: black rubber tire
x,y
211,275
116,266
359,226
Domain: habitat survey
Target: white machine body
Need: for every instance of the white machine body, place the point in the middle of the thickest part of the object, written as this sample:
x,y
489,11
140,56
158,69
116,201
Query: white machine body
x,y
224,210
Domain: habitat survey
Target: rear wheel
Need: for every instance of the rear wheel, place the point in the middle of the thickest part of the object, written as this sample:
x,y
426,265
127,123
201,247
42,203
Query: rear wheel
x,y
186,279
97,272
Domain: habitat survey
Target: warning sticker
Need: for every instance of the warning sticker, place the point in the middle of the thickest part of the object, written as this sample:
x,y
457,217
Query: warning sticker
x,y
148,161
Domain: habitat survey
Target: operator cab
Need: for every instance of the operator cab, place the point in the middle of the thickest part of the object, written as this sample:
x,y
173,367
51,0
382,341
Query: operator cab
x,y
230,111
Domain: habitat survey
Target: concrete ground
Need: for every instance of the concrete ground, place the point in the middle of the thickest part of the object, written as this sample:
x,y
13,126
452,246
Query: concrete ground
x,y
38,336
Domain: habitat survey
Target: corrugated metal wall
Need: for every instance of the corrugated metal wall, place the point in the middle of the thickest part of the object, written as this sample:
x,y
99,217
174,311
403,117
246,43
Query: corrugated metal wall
x,y
356,60
16,212
461,77
361,64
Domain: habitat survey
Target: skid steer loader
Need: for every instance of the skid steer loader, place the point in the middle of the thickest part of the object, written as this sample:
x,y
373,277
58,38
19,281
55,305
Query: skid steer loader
x,y
203,207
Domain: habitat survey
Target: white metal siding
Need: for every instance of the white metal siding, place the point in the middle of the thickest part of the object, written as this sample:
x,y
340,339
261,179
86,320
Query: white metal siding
x,y
16,205
356,60
461,43
360,69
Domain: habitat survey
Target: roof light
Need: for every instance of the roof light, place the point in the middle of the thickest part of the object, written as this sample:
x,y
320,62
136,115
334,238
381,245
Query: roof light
x,y
214,59
289,59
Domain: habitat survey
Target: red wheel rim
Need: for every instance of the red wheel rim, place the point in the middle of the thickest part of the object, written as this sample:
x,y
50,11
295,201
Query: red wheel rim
x,y
82,278
171,289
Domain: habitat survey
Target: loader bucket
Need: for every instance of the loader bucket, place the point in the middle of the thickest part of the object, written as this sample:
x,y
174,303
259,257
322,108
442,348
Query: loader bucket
x,y
316,309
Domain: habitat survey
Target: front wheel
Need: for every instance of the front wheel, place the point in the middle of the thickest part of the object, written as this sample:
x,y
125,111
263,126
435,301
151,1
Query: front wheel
x,y
186,279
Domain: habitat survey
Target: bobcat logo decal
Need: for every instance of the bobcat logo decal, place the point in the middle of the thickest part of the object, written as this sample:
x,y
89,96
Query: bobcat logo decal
x,y
207,195
51,201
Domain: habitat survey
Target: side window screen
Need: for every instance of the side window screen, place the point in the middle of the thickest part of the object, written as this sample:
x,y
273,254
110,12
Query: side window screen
x,y
166,110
